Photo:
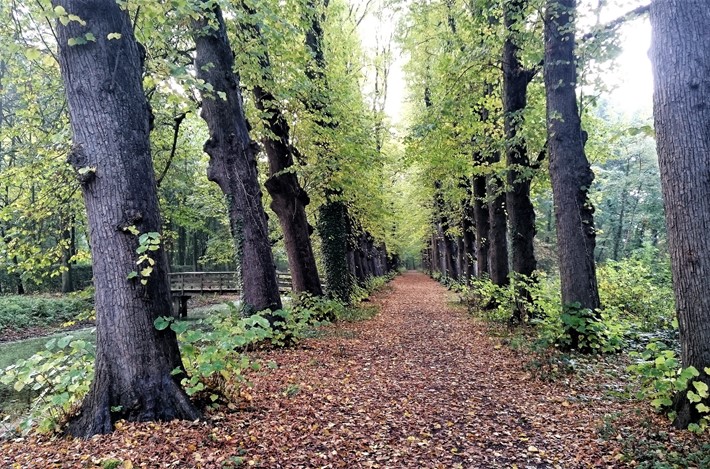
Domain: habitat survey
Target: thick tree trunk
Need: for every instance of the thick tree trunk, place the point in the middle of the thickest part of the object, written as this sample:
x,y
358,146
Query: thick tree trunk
x,y
111,154
435,254
569,169
333,217
288,199
680,53
469,241
233,163
521,213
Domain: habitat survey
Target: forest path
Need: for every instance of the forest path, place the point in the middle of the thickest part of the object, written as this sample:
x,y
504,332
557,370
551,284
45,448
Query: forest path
x,y
420,385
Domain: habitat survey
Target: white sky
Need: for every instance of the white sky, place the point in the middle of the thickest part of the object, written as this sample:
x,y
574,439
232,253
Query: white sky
x,y
632,76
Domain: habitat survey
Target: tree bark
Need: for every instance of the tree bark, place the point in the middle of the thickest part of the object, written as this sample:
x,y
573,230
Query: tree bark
x,y
111,154
233,163
498,231
480,214
469,239
521,213
680,52
570,173
288,199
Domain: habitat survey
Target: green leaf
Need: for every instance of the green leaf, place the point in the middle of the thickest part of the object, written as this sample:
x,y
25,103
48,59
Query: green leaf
x,y
179,327
60,11
146,272
692,397
112,36
702,408
90,36
701,387
162,322
132,274
64,341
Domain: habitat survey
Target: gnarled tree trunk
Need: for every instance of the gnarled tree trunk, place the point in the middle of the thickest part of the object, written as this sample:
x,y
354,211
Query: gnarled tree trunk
x,y
288,199
233,163
111,154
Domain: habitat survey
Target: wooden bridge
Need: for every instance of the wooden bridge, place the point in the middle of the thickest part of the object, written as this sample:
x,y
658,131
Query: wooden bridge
x,y
184,285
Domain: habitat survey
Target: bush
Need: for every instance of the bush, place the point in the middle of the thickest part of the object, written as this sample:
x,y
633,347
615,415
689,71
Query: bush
x,y
59,377
19,312
663,380
638,292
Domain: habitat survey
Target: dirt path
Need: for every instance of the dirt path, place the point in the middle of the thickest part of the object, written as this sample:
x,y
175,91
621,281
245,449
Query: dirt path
x,y
420,385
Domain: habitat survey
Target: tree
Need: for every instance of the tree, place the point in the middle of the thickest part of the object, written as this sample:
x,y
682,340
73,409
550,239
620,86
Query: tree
x,y
288,199
101,66
233,163
521,213
680,53
333,218
570,173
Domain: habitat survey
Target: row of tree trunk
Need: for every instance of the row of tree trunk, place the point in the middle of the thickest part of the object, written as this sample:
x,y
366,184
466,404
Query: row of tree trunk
x,y
135,376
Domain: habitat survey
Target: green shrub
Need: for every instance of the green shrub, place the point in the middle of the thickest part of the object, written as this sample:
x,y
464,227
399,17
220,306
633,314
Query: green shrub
x,y
663,379
19,312
638,292
59,376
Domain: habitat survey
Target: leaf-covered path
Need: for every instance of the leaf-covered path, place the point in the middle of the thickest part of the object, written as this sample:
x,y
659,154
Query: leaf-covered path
x,y
420,385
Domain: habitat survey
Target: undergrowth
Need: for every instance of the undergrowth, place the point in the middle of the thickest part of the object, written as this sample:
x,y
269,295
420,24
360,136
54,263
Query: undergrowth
x,y
215,354
20,312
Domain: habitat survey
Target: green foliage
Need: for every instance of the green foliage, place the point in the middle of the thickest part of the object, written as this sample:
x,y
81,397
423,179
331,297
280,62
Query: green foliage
x,y
588,331
18,312
321,308
147,243
663,380
638,292
59,377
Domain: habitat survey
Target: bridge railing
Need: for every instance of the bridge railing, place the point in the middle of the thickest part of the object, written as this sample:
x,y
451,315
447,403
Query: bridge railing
x,y
216,282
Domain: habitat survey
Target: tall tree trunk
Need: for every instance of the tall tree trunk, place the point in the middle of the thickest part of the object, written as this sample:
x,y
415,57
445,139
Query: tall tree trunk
x,y
333,214
332,226
469,239
111,154
181,246
498,231
680,52
288,199
521,213
569,169
233,163
482,223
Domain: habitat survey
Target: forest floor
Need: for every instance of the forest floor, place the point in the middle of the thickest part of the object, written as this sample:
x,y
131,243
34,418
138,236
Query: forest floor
x,y
420,385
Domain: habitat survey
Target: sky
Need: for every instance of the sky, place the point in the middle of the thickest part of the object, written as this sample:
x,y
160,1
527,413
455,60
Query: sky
x,y
631,78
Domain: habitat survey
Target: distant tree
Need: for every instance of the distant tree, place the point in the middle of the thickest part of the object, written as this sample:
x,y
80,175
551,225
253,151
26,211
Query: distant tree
x,y
570,173
288,198
521,213
333,218
101,65
232,161
680,53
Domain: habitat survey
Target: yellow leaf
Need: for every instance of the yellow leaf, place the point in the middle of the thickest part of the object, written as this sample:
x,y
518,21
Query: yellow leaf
x,y
127,464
